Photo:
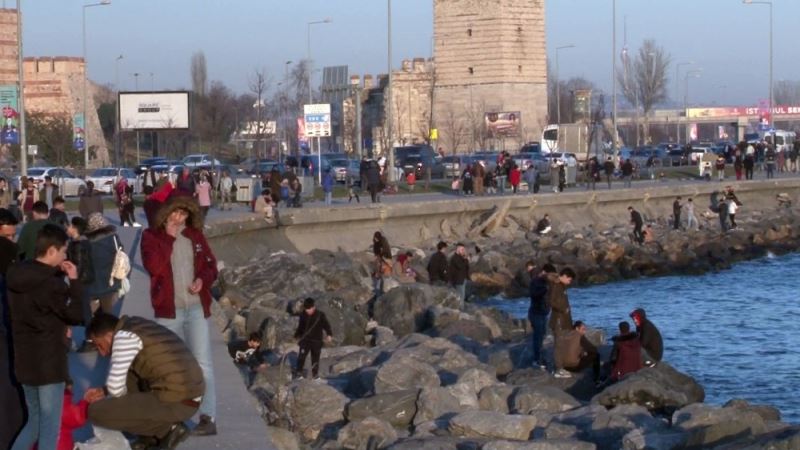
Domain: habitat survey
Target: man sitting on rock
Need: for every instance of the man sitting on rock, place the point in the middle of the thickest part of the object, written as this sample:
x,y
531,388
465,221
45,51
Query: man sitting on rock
x,y
309,335
626,355
576,353
649,336
154,383
543,226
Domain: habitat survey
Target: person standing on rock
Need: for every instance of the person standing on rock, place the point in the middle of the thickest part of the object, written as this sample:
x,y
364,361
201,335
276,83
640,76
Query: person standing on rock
x,y
638,223
719,206
182,269
608,167
383,259
459,272
649,336
691,219
437,266
539,310
676,213
310,337
626,354
561,313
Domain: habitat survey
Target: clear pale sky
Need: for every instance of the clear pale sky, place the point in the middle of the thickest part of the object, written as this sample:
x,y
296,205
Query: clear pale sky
x,y
727,39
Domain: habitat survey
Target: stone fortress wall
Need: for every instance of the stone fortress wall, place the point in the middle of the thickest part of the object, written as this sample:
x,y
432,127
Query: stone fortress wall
x,y
53,85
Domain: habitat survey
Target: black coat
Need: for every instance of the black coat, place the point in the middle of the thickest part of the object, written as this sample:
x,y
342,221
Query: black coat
x,y
437,268
458,270
9,254
537,290
41,306
80,253
310,328
651,339
104,251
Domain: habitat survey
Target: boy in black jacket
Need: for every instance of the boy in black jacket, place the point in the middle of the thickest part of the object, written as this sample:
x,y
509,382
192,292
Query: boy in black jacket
x,y
41,306
310,337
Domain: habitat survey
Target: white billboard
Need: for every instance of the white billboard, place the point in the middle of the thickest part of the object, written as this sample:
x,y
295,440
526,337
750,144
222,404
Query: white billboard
x,y
153,110
318,119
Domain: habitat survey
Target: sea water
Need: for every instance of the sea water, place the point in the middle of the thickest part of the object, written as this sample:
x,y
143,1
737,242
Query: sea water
x,y
737,332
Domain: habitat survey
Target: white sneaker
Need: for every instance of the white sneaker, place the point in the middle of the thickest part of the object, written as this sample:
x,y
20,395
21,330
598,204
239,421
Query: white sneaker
x,y
561,373
137,225
125,224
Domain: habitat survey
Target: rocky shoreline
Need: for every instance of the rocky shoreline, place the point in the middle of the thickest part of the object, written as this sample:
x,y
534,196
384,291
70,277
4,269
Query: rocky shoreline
x,y
410,371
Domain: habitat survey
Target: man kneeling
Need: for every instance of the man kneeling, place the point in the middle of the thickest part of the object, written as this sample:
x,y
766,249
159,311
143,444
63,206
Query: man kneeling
x,y
154,383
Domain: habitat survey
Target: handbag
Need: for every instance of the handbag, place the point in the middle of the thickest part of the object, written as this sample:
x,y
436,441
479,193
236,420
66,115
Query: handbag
x,y
120,269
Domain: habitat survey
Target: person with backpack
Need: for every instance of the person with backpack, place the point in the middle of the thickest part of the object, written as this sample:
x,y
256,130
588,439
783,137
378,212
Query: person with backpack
x,y
313,330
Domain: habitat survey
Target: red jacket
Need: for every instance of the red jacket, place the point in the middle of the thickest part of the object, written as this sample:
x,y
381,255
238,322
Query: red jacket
x,y
72,417
514,177
627,352
156,251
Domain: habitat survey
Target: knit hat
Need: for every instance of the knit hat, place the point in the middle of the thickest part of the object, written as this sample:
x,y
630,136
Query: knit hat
x,y
96,222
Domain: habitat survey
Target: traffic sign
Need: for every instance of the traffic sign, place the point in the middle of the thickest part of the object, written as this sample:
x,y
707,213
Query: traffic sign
x,y
318,120
33,149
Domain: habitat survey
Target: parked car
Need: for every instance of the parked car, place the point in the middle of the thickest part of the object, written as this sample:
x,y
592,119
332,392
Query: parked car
x,y
266,166
454,165
531,147
418,158
68,184
200,160
105,178
641,155
167,166
677,157
344,168
146,163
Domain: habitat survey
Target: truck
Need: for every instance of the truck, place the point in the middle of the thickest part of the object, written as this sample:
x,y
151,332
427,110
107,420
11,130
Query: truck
x,y
568,138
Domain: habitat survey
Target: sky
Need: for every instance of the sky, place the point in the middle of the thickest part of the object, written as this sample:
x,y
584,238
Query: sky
x,y
727,39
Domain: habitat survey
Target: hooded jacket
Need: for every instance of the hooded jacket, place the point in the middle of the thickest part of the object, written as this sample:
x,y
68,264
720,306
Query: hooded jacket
x,y
157,249
649,336
104,251
561,316
41,306
626,355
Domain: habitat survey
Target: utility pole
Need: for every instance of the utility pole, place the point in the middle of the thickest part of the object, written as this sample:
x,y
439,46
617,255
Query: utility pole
x,y
388,100
23,141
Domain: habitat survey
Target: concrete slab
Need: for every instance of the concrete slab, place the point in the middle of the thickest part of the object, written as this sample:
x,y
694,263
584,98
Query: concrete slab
x,y
238,421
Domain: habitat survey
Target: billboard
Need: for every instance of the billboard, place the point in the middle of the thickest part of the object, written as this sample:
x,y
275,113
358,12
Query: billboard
x,y
153,110
503,124
78,132
8,103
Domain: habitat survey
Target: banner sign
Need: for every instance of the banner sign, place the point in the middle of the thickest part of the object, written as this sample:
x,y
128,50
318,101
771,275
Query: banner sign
x,y
9,105
78,132
317,119
762,112
503,124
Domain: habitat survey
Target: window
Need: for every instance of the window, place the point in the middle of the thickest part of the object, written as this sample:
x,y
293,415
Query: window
x,y
469,32
471,71
519,68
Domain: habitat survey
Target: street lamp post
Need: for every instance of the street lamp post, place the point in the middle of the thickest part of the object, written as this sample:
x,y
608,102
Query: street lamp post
x,y
284,100
23,143
117,140
311,95
690,74
615,134
85,89
558,83
771,93
677,97
388,97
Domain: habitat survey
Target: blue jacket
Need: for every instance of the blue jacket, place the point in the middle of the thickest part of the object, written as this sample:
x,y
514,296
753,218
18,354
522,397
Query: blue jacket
x,y
538,293
327,182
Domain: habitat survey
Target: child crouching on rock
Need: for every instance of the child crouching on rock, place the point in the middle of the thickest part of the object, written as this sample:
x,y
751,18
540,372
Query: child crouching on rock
x,y
247,356
310,337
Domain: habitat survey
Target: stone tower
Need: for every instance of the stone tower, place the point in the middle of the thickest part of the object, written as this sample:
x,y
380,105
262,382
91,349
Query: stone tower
x,y
490,56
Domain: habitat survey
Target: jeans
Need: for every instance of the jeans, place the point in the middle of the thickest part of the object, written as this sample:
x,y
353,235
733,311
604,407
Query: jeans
x,y
691,222
313,347
328,198
627,179
539,325
44,405
462,292
190,325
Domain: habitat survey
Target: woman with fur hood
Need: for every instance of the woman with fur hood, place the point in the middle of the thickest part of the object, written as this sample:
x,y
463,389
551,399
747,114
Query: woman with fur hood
x,y
182,269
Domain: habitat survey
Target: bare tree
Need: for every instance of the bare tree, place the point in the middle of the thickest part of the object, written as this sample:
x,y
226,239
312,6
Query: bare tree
x,y
454,128
259,84
199,73
787,92
644,80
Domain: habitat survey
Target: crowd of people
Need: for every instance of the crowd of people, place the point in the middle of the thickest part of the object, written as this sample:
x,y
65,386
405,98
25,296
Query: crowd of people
x,y
62,274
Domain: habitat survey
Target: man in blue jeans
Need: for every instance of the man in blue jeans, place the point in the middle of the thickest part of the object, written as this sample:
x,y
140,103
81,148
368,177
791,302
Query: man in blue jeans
x,y
41,307
539,309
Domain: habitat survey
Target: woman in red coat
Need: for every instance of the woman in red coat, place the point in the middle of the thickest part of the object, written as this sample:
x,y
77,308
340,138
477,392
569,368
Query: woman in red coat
x,y
514,177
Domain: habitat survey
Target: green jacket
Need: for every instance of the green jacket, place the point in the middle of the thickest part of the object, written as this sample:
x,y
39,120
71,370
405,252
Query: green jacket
x,y
27,239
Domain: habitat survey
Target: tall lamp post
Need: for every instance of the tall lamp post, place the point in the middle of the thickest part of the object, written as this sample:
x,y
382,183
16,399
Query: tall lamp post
x,y
311,94
614,134
117,141
558,82
771,93
85,89
23,143
690,74
388,97
678,95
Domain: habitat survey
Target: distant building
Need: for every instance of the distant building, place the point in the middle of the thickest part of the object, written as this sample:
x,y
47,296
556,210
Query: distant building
x,y
490,57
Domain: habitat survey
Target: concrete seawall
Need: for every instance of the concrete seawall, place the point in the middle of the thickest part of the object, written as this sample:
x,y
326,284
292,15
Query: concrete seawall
x,y
350,228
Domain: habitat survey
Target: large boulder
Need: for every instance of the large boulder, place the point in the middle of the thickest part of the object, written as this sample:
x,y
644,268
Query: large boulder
x,y
608,428
549,444
765,411
404,308
707,426
438,443
306,407
787,438
396,408
530,399
656,388
493,425
495,398
402,372
282,439
364,433
434,403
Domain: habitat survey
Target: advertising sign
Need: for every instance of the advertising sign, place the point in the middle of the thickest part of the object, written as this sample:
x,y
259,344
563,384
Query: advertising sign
x,y
503,124
153,110
78,132
317,120
8,103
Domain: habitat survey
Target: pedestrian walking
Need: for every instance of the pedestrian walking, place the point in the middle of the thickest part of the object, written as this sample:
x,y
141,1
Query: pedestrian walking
x,y
532,178
327,185
627,172
202,191
769,159
738,165
719,166
608,168
313,330
467,180
514,178
226,190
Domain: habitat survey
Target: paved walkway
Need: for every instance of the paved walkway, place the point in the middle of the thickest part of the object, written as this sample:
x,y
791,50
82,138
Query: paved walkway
x,y
238,421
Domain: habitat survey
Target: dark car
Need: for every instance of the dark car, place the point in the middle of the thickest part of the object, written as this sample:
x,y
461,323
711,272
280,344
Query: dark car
x,y
418,158
677,157
146,163
531,147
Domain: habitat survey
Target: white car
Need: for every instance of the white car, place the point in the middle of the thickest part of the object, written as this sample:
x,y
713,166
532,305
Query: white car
x,y
105,178
200,160
68,184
